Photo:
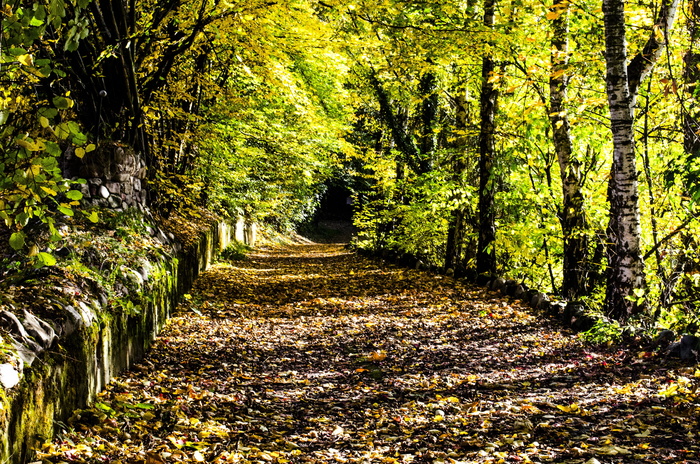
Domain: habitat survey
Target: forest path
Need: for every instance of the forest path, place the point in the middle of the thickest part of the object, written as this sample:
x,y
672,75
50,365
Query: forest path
x,y
310,353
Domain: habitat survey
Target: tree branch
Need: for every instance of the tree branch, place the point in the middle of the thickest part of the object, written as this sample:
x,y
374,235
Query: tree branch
x,y
644,61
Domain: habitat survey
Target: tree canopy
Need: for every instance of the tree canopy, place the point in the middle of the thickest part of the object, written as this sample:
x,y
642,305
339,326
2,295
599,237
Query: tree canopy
x,y
554,143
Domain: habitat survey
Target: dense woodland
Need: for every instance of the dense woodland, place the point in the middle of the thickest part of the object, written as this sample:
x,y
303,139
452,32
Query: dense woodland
x,y
554,143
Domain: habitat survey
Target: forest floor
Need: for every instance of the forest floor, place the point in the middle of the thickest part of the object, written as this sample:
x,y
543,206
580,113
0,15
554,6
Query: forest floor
x,y
311,354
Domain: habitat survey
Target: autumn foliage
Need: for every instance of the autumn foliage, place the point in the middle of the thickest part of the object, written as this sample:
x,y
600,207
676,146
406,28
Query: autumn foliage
x,y
308,353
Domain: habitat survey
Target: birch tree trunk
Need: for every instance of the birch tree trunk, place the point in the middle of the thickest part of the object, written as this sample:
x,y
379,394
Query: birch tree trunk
x,y
572,215
626,281
486,247
691,75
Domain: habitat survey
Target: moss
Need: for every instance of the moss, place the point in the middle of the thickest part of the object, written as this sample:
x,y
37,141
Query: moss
x,y
68,378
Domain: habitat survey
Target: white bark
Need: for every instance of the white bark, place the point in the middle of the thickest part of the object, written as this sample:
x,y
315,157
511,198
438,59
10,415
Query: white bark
x,y
625,263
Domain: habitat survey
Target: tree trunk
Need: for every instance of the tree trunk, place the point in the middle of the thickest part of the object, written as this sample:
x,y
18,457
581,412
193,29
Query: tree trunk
x,y
572,215
403,142
691,75
455,231
626,282
428,111
486,248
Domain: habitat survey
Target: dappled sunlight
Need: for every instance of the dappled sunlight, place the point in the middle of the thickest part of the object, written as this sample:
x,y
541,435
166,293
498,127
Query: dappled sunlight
x,y
287,357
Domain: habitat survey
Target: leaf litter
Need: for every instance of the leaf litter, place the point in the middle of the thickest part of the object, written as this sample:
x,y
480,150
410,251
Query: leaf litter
x,y
312,354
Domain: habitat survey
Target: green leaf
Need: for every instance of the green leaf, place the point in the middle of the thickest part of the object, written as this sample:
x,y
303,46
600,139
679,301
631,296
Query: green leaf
x,y
22,219
46,259
73,127
62,103
16,51
65,210
92,217
53,149
47,112
17,240
74,195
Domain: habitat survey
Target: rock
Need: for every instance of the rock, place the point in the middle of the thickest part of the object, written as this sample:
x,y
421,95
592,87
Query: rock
x,y
556,308
162,238
145,270
498,284
27,350
689,347
573,309
674,350
133,277
114,201
582,322
84,189
113,187
104,193
9,377
664,339
42,332
510,287
86,313
12,323
74,321
520,292
538,301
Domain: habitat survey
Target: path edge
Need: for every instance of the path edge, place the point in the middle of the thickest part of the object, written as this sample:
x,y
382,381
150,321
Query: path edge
x,y
89,349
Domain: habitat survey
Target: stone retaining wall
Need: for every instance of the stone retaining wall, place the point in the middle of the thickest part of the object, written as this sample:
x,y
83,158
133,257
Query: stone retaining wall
x,y
89,347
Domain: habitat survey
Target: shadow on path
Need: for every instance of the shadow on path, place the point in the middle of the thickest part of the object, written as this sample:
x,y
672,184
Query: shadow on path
x,y
309,353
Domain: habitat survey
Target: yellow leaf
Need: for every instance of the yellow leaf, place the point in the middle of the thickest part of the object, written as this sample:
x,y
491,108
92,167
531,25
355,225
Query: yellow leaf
x,y
26,60
90,147
558,73
43,120
553,15
377,355
25,144
80,152
573,407
670,391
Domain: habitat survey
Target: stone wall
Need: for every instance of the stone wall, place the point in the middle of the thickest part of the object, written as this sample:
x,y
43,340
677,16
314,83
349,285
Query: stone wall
x,y
115,176
70,362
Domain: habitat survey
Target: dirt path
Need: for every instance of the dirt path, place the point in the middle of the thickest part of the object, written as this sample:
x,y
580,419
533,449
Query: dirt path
x,y
312,354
